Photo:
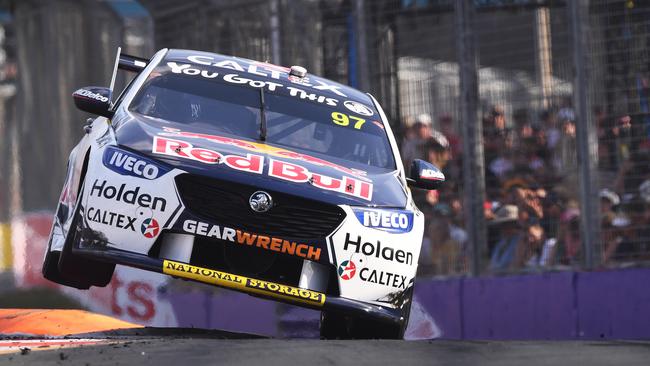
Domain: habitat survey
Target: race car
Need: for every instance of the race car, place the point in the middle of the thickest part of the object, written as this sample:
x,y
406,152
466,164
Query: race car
x,y
248,176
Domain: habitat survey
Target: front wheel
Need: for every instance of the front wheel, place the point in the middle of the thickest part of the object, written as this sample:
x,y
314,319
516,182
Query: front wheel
x,y
68,269
50,267
71,265
335,325
51,272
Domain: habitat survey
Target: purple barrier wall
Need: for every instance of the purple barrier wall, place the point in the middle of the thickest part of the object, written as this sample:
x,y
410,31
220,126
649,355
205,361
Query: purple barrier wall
x,y
539,306
614,304
442,300
611,304
224,310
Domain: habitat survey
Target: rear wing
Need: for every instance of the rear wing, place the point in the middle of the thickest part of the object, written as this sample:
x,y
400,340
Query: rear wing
x,y
132,63
128,63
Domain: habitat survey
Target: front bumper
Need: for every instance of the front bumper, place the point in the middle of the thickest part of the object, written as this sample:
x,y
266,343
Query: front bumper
x,y
260,288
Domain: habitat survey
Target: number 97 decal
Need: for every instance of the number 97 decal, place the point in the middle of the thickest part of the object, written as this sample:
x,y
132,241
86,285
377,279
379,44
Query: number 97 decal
x,y
343,119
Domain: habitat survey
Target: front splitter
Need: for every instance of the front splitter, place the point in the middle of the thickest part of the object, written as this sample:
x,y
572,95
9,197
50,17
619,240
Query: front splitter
x,y
255,287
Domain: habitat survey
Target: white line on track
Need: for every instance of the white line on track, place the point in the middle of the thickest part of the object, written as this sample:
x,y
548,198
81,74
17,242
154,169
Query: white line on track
x,y
16,345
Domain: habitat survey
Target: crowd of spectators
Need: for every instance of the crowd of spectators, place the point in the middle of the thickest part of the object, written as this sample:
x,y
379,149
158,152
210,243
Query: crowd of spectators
x,y
531,206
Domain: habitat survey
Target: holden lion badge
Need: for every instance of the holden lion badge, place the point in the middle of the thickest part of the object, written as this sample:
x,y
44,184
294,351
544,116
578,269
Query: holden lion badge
x,y
260,201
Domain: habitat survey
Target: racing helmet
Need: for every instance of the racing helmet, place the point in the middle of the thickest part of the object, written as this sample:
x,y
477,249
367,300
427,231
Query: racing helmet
x,y
172,105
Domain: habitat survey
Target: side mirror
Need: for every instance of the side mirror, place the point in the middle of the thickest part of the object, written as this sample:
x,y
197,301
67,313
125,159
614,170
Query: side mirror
x,y
94,99
425,175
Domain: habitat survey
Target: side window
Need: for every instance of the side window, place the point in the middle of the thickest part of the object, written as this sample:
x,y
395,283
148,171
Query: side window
x,y
124,91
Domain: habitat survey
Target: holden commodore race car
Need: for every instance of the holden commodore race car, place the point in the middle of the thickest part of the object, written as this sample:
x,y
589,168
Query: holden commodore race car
x,y
248,176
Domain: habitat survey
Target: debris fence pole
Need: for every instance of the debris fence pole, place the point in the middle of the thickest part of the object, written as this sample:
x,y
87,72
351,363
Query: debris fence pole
x,y
362,45
543,50
275,33
587,145
472,132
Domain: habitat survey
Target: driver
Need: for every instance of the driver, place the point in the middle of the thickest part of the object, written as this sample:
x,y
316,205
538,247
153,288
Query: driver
x,y
163,100
173,105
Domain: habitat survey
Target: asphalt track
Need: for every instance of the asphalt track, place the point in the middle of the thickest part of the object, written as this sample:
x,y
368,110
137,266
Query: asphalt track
x,y
23,341
205,351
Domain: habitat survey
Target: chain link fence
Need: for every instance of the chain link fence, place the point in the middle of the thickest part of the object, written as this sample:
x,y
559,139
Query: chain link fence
x,y
526,87
533,60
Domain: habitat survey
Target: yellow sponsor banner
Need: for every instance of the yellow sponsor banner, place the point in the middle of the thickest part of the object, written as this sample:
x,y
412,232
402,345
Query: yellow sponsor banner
x,y
245,284
5,247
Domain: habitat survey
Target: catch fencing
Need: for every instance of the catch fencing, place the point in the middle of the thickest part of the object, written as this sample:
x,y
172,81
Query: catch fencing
x,y
544,105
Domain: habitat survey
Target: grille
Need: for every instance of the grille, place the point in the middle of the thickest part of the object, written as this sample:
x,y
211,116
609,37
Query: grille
x,y
226,203
246,261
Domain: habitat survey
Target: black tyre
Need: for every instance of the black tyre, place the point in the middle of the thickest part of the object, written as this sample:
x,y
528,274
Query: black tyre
x,y
51,272
340,326
50,267
333,325
68,269
70,265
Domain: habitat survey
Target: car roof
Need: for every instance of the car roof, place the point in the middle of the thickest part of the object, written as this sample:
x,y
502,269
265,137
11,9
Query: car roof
x,y
258,70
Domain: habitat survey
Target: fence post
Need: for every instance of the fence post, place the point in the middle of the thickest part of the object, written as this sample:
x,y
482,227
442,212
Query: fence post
x,y
472,132
587,144
543,49
362,46
275,33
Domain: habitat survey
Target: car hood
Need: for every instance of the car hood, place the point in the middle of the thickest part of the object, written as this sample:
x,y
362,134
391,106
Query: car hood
x,y
200,147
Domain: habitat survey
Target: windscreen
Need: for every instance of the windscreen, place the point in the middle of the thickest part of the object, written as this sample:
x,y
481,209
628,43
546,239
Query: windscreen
x,y
349,131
